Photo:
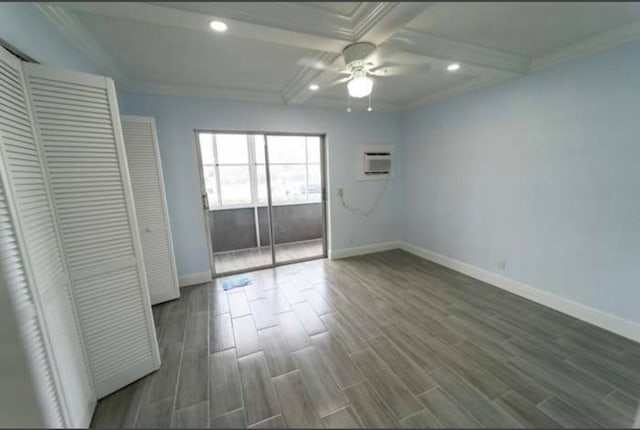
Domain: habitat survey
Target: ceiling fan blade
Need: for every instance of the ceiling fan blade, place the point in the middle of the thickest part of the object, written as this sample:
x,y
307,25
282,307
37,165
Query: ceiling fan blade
x,y
313,63
387,49
391,69
337,82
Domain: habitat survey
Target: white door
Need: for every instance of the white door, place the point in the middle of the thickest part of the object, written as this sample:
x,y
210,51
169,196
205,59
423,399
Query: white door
x,y
143,156
31,255
78,125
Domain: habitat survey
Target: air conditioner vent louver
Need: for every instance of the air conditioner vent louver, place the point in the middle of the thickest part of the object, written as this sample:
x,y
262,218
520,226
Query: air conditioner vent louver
x,y
375,162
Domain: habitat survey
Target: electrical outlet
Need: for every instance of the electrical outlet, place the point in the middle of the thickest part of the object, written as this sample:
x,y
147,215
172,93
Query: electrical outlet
x,y
502,264
340,191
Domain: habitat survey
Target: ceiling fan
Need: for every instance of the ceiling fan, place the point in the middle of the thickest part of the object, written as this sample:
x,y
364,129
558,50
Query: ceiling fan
x,y
364,61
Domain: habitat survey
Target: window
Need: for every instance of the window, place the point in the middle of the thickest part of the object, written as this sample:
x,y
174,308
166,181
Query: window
x,y
235,173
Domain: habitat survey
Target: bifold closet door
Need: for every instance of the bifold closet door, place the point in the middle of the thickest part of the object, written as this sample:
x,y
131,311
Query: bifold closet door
x,y
78,127
32,258
143,157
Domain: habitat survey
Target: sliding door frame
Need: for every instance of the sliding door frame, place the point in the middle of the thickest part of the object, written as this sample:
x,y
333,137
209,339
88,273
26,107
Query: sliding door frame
x,y
323,199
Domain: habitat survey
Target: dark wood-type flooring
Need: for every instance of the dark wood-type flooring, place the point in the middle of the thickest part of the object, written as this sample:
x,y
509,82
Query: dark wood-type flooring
x,y
382,340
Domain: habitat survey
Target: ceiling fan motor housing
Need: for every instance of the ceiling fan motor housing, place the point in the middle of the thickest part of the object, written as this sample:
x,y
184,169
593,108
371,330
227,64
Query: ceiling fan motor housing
x,y
355,54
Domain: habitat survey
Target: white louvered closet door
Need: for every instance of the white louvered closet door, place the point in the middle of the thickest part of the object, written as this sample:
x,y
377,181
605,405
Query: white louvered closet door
x,y
143,156
31,250
79,129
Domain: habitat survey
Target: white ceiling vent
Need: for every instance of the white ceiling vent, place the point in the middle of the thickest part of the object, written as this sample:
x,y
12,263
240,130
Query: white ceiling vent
x,y
375,162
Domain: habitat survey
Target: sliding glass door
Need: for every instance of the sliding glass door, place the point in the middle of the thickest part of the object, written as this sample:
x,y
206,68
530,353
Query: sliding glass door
x,y
295,179
256,187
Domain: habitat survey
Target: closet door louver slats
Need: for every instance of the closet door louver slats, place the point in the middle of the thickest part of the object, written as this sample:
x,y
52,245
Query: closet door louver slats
x,y
143,157
79,129
12,269
31,254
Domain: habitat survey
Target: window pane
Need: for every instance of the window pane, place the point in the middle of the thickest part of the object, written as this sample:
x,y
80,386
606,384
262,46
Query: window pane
x,y
259,145
262,184
288,183
210,185
232,149
234,185
287,149
206,148
313,149
314,188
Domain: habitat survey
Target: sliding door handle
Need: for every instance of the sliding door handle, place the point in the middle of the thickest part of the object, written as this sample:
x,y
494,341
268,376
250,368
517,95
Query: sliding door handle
x,y
205,202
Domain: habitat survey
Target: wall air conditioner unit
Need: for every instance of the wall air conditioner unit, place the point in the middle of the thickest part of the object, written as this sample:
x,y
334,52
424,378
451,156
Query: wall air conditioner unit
x,y
375,162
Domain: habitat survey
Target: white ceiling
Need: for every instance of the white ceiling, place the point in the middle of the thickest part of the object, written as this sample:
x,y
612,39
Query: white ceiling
x,y
167,48
530,29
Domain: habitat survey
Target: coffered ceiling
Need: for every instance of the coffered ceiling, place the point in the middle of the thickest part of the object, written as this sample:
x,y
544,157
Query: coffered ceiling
x,y
268,52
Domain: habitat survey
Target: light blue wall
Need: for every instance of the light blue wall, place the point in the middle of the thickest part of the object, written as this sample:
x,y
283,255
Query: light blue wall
x,y
177,117
543,171
26,28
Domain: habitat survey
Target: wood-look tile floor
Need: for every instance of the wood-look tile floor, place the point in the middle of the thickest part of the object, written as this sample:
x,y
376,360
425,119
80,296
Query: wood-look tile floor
x,y
247,258
383,340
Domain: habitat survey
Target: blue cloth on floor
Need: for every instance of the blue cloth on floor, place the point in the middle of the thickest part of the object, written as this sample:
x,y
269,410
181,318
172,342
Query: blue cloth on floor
x,y
238,281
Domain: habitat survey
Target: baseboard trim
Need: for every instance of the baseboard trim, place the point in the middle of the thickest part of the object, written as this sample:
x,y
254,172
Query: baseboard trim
x,y
612,323
336,254
194,278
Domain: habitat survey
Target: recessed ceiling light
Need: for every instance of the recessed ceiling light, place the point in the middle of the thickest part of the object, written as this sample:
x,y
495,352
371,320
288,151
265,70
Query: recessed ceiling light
x,y
218,26
453,67
313,87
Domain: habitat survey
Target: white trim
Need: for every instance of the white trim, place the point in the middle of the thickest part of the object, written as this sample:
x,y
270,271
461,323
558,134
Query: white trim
x,y
335,254
69,25
613,323
194,278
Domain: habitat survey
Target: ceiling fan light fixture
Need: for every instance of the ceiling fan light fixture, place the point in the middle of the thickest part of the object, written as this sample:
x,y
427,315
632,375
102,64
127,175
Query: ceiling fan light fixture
x,y
453,67
360,87
314,87
218,26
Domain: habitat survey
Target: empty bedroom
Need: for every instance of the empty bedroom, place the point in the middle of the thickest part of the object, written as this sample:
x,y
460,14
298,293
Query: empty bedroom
x,y
319,215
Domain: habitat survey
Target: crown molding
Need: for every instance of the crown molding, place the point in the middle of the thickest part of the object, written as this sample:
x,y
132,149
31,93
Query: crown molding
x,y
593,44
71,27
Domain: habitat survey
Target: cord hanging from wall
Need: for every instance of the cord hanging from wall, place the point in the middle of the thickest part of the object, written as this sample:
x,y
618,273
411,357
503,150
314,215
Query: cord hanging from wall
x,y
358,211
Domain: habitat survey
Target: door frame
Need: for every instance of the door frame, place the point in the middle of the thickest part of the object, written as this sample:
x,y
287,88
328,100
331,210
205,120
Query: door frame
x,y
323,200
